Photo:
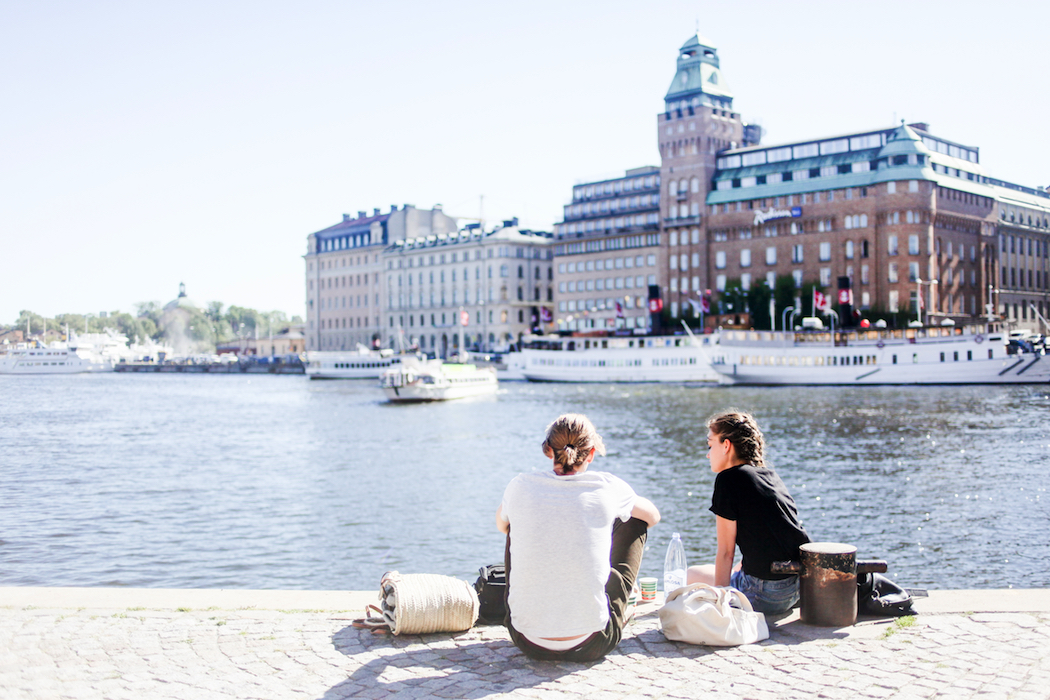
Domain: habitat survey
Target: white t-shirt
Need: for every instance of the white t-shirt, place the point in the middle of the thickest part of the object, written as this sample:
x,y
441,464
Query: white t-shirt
x,y
560,537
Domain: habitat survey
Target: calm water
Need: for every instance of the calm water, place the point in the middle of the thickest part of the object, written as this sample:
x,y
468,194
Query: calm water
x,y
279,482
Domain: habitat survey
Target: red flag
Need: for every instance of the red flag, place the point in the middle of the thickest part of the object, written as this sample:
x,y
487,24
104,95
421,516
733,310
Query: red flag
x,y
820,301
705,305
619,310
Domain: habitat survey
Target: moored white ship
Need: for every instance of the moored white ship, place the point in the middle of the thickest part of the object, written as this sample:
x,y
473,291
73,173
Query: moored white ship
x,y
619,359
929,355
24,358
350,364
434,380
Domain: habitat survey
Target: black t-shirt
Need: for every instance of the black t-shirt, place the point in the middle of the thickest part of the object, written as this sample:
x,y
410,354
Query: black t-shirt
x,y
767,524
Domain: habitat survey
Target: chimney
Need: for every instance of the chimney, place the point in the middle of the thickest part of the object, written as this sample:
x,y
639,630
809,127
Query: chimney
x,y
393,208
507,223
361,215
437,207
375,212
346,217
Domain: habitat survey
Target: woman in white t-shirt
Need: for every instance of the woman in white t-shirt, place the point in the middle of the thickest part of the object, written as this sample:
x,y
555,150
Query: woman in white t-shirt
x,y
576,538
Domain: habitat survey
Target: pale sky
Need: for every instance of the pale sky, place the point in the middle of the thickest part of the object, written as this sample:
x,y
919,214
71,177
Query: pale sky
x,y
143,144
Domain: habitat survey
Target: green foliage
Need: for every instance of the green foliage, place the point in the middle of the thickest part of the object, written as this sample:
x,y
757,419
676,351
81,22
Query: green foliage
x,y
186,328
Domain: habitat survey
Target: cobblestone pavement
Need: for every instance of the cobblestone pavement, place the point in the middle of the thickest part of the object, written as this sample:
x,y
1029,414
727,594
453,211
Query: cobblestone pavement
x,y
249,653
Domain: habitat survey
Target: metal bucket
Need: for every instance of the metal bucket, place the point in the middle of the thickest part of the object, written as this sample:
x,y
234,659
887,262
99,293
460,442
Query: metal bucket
x,y
828,584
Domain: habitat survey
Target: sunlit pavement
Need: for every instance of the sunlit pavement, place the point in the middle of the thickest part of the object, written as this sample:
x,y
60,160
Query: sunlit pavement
x,y
148,643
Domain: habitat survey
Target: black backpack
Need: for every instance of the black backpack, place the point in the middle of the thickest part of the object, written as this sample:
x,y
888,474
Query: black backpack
x,y
492,589
879,596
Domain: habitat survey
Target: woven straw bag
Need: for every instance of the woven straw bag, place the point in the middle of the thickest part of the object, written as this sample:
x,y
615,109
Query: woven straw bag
x,y
423,604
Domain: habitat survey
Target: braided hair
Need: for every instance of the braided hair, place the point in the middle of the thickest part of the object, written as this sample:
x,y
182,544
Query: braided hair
x,y
569,441
742,431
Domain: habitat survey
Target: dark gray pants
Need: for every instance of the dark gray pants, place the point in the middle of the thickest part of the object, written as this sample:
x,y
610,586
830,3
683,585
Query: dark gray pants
x,y
625,558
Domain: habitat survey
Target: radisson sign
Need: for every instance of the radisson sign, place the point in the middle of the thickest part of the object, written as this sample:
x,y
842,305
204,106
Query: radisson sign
x,y
763,216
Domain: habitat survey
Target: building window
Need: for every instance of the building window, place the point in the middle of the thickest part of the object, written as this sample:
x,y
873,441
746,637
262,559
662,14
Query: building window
x,y
720,260
849,250
825,276
796,253
745,257
797,276
913,244
825,251
745,281
720,283
892,277
913,271
894,299
771,255
891,246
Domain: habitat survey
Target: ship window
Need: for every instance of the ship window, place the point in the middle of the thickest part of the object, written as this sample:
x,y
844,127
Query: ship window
x,y
969,355
989,353
915,358
942,357
894,359
956,356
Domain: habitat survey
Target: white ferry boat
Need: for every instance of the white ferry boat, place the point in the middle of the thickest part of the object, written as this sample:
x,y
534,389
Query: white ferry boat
x,y
24,358
619,359
357,364
927,355
434,380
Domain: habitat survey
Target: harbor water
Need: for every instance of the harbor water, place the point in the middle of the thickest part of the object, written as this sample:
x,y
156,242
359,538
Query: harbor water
x,y
279,482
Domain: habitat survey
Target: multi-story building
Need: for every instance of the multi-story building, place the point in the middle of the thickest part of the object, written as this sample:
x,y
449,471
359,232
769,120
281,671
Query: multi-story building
x,y
607,251
344,285
1024,258
500,282
907,217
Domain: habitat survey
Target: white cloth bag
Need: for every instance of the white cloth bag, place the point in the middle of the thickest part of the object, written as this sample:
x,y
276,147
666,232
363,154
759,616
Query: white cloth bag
x,y
713,616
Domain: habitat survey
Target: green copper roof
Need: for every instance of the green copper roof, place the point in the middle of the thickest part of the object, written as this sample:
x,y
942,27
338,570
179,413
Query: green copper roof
x,y
698,72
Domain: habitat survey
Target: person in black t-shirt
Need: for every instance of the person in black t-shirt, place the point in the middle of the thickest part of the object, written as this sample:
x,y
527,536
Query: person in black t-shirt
x,y
754,510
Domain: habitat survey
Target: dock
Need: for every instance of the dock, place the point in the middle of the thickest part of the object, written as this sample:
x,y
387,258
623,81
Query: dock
x,y
213,368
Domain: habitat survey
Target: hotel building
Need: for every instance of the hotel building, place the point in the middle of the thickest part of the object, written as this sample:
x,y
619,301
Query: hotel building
x,y
499,282
898,212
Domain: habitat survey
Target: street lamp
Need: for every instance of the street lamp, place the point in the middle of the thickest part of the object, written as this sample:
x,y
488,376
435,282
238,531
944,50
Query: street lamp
x,y
783,317
918,296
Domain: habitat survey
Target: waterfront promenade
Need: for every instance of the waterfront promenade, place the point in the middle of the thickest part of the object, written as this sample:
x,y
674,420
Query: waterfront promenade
x,y
155,643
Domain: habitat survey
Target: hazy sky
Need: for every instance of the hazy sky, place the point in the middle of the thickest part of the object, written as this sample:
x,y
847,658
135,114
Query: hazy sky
x,y
147,143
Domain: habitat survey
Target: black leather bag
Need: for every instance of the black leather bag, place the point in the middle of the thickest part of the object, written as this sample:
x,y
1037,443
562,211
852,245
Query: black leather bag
x,y
879,596
491,587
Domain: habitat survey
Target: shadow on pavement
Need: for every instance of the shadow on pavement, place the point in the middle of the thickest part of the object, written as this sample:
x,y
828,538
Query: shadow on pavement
x,y
444,665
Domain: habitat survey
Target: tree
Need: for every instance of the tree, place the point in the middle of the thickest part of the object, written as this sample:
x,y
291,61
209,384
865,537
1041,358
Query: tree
x,y
758,297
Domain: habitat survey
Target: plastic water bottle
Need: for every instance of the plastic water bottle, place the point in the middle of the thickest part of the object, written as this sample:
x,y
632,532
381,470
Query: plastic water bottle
x,y
674,565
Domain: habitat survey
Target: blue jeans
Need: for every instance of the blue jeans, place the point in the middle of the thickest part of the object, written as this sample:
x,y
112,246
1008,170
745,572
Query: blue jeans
x,y
766,596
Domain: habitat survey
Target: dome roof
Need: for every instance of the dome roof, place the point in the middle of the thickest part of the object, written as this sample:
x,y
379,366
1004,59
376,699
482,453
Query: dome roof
x,y
182,301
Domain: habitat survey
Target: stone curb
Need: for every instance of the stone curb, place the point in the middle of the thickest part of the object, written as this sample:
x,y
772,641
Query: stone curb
x,y
944,601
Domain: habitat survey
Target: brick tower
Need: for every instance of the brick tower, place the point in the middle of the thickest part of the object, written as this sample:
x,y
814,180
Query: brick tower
x,y
698,121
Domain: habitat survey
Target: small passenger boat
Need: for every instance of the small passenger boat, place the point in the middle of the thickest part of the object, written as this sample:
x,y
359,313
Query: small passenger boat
x,y
415,379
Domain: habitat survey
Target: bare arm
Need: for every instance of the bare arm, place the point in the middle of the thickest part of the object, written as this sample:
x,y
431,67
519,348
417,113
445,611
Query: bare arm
x,y
645,510
726,530
501,524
